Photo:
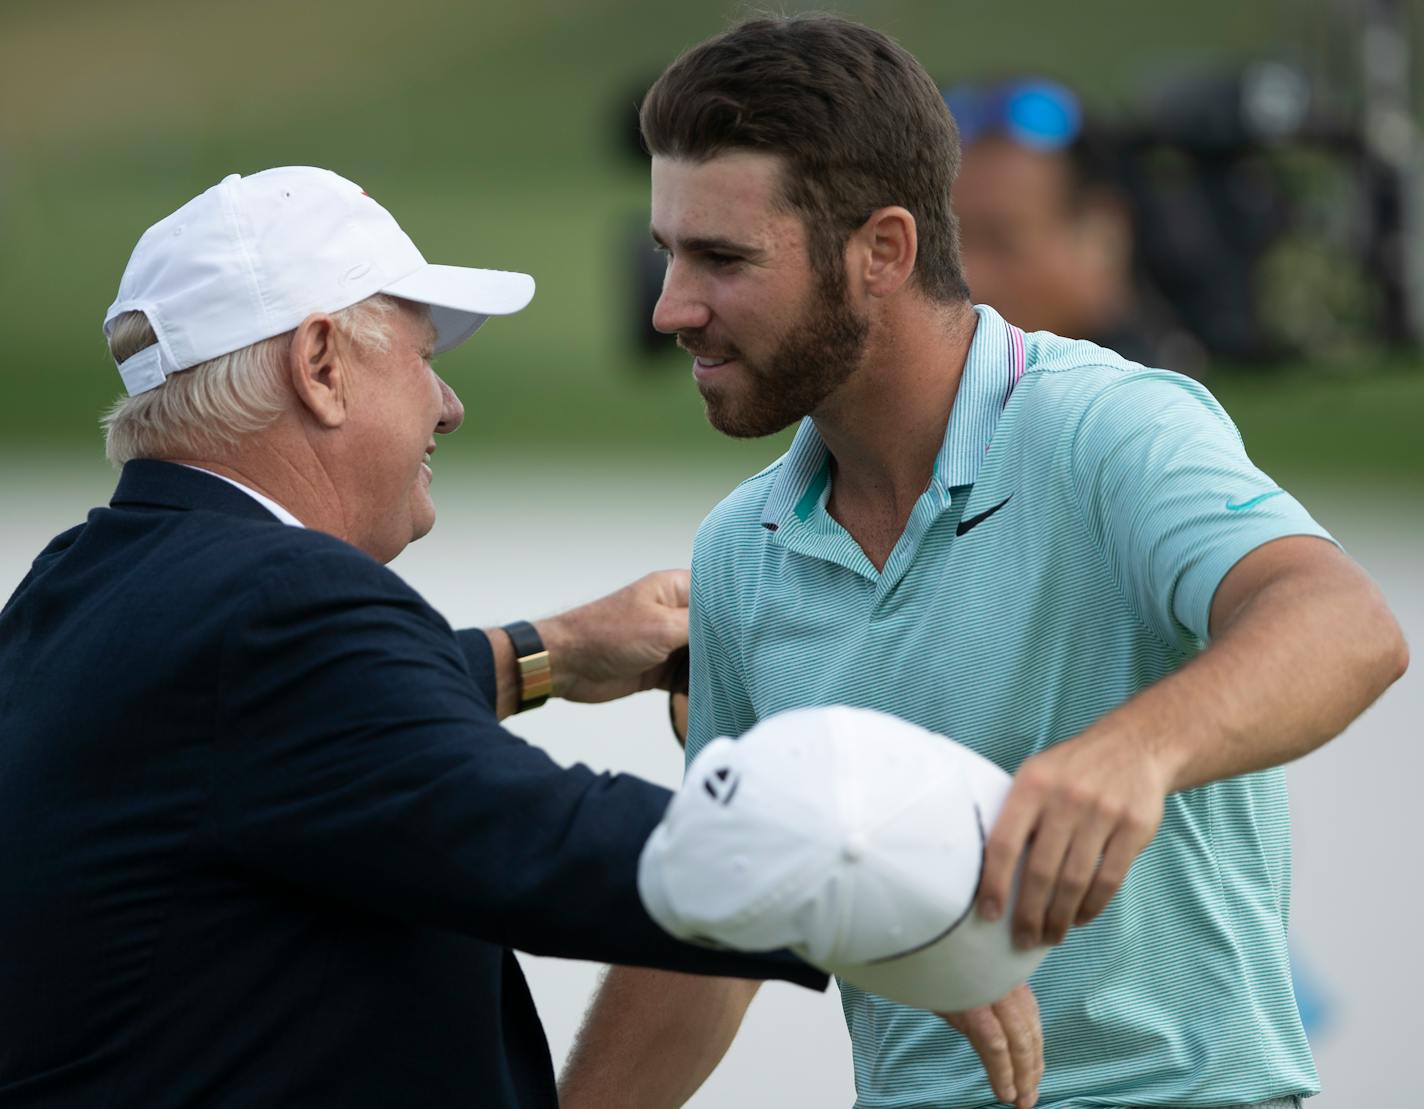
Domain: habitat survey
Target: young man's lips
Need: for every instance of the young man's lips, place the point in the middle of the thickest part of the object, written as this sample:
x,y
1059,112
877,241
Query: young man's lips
x,y
703,367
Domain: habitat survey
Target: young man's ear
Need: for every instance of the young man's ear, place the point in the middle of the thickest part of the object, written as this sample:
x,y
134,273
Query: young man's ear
x,y
317,371
884,251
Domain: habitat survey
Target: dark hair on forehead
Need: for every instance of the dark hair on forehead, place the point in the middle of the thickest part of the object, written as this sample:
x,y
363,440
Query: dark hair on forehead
x,y
857,120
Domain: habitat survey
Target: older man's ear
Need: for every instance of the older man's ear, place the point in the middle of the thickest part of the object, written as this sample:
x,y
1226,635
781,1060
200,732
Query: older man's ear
x,y
319,374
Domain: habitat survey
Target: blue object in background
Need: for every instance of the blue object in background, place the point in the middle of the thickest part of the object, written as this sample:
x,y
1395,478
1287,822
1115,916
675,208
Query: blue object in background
x,y
1313,997
1036,113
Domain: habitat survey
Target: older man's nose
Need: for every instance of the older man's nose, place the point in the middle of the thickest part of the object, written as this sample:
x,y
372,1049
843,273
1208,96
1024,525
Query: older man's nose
x,y
452,412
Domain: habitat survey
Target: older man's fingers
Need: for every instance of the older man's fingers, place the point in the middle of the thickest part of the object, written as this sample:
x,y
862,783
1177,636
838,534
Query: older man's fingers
x,y
1018,1015
677,716
1034,1073
990,1040
668,587
1008,1039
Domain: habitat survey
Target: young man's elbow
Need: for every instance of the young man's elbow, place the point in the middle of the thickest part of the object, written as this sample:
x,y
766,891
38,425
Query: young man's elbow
x,y
1396,660
1388,649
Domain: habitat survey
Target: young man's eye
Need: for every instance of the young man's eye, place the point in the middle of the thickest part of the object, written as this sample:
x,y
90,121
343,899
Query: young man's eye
x,y
717,259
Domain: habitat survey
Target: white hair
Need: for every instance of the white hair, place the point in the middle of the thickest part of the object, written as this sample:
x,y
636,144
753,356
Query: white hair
x,y
217,402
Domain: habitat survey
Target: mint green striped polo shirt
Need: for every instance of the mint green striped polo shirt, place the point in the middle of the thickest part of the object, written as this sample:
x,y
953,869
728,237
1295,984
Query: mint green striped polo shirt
x,y
1110,500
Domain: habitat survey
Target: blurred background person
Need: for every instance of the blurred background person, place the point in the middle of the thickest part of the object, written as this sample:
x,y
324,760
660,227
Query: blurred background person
x,y
1046,229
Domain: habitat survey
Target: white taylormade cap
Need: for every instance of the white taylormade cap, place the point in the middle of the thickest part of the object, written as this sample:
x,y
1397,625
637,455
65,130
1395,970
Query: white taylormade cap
x,y
852,837
254,256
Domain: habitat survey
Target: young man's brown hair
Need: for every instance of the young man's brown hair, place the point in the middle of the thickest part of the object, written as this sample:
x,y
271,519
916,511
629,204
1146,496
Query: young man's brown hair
x,y
857,119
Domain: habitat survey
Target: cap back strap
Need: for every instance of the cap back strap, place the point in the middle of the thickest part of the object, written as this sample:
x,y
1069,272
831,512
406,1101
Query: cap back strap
x,y
146,370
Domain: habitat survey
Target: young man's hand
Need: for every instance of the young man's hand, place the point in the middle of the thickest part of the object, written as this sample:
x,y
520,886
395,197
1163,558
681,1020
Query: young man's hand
x,y
1078,814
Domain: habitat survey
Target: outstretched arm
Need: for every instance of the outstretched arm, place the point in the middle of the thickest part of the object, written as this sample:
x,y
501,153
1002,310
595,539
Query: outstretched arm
x,y
623,643
1302,643
409,801
651,1038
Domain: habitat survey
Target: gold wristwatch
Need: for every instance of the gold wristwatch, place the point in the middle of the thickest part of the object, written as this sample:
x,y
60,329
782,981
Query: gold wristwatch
x,y
536,676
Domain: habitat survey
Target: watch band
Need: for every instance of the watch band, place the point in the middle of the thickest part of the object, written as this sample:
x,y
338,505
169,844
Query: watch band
x,y
536,677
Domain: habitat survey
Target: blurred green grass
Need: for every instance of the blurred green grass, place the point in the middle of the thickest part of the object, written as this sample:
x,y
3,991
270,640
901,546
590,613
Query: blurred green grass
x,y
1318,427
489,130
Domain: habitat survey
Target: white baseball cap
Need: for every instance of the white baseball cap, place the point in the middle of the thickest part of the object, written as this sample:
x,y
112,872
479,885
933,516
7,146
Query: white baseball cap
x,y
852,837
254,256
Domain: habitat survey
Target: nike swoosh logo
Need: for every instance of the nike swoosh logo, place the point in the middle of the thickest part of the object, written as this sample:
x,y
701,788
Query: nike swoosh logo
x,y
1253,501
975,521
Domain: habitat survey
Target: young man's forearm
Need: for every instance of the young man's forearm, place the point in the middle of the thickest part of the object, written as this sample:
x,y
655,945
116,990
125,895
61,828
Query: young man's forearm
x,y
1292,663
651,1038
1302,643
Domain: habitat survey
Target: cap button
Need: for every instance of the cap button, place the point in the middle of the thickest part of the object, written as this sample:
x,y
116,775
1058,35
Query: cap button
x,y
854,849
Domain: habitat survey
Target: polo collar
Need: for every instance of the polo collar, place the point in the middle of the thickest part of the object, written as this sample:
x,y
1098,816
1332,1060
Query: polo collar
x,y
994,365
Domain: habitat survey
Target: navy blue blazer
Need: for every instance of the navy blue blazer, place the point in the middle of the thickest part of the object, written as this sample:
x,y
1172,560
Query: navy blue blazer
x,y
262,840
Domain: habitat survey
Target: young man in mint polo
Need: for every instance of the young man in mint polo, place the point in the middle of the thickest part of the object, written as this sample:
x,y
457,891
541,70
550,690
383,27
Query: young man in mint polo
x,y
1060,558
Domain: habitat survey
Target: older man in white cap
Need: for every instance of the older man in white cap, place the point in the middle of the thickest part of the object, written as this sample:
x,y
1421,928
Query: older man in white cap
x,y
265,842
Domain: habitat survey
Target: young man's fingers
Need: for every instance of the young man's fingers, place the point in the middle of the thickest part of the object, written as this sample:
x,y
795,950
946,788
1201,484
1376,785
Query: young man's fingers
x,y
1002,851
1042,867
1118,855
1080,867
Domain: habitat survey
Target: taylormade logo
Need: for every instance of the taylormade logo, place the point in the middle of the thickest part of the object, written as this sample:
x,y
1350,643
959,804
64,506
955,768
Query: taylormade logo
x,y
721,785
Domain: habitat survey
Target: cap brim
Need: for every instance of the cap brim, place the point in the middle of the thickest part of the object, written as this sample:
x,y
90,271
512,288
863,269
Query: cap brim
x,y
461,299
975,962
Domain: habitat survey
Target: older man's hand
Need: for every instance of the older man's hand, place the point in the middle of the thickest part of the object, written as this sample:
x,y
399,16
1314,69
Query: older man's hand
x,y
622,643
1008,1039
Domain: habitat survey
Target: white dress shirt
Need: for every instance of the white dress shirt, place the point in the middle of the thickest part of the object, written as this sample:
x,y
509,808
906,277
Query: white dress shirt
x,y
266,502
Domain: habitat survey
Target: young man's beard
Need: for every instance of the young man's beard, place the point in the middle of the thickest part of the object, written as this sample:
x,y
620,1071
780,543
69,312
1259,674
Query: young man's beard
x,y
814,359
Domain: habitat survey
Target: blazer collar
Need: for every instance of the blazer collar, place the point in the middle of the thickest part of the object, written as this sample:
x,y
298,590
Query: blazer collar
x,y
150,483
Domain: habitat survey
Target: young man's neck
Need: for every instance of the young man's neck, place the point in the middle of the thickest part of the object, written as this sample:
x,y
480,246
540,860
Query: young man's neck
x,y
885,428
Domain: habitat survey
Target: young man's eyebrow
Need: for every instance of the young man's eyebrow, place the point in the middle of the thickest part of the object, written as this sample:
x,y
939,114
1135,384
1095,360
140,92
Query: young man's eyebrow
x,y
709,245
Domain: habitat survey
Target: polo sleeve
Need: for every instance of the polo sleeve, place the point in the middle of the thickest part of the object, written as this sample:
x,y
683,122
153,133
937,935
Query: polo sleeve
x,y
717,700
358,761
1162,480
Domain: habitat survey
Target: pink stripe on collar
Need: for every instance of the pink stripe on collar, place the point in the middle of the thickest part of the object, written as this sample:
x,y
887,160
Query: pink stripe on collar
x,y
1016,353
1017,360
